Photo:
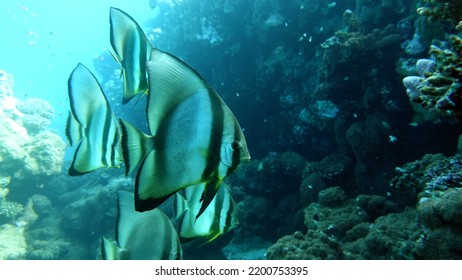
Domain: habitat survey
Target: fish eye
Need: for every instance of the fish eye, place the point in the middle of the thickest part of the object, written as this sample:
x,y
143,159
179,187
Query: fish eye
x,y
235,146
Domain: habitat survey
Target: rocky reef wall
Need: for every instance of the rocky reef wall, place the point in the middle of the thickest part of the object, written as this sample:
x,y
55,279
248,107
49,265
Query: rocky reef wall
x,y
30,155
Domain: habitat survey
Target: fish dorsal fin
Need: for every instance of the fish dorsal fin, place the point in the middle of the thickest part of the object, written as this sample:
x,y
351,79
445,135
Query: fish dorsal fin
x,y
131,49
85,94
92,124
171,81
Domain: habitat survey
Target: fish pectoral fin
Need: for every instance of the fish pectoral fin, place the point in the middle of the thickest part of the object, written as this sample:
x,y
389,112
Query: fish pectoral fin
x,y
116,58
210,190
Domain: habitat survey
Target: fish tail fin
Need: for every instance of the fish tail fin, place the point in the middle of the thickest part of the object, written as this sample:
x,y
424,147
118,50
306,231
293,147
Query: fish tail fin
x,y
109,250
91,124
135,146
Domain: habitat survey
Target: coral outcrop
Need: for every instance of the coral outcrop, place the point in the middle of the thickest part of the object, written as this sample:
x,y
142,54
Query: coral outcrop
x,y
368,227
12,242
444,11
28,151
434,184
441,214
439,84
29,155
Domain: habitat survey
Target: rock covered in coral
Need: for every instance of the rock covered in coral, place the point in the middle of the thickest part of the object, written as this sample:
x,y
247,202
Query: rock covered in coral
x,y
422,178
317,176
442,209
333,214
368,227
313,245
29,153
441,213
435,181
345,47
37,114
443,10
393,236
9,211
439,84
46,154
371,141
12,242
46,240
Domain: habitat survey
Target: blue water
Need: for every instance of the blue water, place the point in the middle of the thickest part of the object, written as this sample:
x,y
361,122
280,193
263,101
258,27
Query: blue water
x,y
42,42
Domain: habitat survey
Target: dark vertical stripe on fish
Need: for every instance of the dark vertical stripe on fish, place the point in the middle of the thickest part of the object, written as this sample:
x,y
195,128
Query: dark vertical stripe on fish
x,y
143,84
236,151
115,142
106,131
229,215
215,141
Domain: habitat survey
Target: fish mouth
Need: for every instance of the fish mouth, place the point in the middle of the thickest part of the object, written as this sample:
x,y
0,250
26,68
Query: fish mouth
x,y
246,159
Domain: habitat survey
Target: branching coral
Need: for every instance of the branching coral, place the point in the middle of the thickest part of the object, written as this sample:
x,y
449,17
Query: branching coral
x,y
439,86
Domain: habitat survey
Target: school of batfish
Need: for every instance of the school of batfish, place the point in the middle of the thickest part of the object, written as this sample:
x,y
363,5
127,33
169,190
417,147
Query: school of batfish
x,y
194,142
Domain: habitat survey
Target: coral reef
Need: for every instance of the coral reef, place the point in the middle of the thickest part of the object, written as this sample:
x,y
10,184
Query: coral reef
x,y
439,84
368,227
29,153
443,10
353,46
434,184
422,178
37,114
9,210
441,214
12,242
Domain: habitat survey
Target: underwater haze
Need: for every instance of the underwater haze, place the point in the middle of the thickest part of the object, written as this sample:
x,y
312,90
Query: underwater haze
x,y
351,112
